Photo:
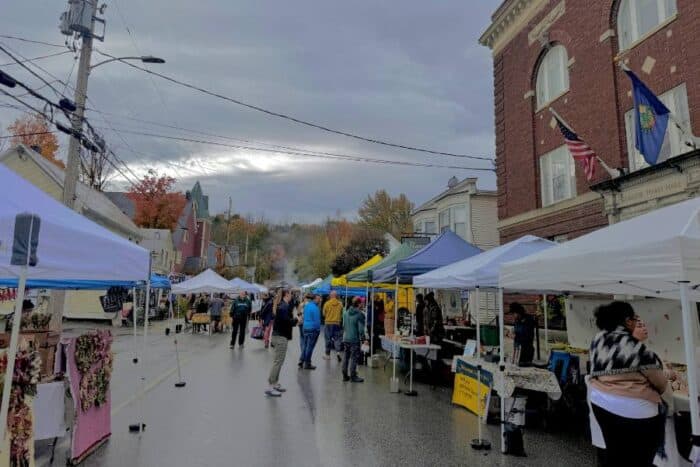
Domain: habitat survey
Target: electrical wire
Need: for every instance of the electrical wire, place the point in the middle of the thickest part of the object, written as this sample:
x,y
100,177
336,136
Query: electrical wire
x,y
295,119
42,57
304,154
28,134
31,41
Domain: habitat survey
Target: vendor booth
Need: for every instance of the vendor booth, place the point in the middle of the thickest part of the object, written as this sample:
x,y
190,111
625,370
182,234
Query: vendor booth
x,y
45,241
481,273
207,282
444,250
653,255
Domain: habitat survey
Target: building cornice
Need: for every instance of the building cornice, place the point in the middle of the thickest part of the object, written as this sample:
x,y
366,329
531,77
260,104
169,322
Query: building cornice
x,y
549,210
509,20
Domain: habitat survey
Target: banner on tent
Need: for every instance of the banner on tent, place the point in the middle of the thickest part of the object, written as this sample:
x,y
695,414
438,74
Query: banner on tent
x,y
467,387
114,300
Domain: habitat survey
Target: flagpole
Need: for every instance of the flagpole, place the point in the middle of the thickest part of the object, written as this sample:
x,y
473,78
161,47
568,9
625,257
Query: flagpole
x,y
694,140
612,172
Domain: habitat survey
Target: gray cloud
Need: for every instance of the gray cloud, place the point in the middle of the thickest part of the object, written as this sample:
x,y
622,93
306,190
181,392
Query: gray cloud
x,y
410,72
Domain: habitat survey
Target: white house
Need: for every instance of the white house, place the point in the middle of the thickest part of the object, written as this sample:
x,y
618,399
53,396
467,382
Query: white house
x,y
471,213
160,243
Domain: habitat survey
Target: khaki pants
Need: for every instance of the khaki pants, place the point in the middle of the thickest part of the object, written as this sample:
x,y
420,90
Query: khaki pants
x,y
280,345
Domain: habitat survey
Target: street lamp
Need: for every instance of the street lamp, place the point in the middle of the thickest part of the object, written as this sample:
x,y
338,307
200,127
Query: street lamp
x,y
143,59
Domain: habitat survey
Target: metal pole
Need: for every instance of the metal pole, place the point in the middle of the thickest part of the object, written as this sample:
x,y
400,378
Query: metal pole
x,y
371,325
12,351
394,385
689,325
478,326
502,370
546,325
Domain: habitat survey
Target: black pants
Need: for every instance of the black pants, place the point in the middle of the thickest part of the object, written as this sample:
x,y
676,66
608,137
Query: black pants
x,y
628,441
239,326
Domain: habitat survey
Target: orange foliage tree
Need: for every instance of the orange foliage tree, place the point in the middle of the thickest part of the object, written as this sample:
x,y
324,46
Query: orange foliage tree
x,y
33,130
157,206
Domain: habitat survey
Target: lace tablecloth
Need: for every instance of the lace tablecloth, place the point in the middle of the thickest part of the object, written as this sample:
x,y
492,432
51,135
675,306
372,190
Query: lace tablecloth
x,y
533,379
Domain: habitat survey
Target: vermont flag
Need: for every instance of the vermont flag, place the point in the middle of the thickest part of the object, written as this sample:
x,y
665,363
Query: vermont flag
x,y
651,120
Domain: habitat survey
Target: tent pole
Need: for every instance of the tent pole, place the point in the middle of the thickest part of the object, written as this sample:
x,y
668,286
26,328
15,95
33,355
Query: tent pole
x,y
371,325
12,350
689,325
395,343
546,325
478,326
179,383
502,369
147,311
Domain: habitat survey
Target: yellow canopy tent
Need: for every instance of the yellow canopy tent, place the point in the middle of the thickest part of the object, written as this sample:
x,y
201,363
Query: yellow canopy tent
x,y
342,281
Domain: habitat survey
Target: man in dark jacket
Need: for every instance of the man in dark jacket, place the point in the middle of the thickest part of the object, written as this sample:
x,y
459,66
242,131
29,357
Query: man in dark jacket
x,y
266,318
282,325
436,328
353,336
240,310
420,315
524,330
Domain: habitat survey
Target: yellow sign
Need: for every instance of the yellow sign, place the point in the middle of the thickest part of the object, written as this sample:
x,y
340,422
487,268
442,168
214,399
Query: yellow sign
x,y
467,388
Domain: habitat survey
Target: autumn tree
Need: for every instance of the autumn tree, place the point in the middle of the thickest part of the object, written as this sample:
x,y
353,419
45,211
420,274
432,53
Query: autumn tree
x,y
338,233
317,261
364,244
157,205
34,131
386,214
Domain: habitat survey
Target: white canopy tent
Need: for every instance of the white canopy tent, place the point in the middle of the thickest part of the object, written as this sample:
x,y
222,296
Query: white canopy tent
x,y
43,239
245,286
311,284
261,288
656,254
481,272
205,282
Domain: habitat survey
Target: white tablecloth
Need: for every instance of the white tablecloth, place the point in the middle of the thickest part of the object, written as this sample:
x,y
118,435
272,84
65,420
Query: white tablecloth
x,y
49,411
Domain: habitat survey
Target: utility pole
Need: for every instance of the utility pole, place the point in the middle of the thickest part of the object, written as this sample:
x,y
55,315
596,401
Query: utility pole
x,y
73,164
245,257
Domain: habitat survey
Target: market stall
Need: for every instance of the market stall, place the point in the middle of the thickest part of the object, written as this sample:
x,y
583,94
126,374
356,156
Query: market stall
x,y
207,282
444,250
478,273
653,255
45,241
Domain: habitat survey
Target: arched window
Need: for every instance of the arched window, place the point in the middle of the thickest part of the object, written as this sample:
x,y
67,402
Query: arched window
x,y
552,75
636,18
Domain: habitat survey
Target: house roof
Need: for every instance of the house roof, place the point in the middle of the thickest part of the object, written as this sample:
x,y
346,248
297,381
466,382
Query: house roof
x,y
201,200
460,187
123,202
90,202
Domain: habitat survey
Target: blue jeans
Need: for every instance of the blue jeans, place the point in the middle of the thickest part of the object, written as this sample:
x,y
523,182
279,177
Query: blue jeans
x,y
333,334
301,341
310,338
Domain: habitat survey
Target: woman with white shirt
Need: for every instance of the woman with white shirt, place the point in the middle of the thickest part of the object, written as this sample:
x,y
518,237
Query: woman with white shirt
x,y
627,380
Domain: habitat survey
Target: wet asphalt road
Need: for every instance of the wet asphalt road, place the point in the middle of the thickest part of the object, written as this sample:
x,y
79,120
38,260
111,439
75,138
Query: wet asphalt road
x,y
222,418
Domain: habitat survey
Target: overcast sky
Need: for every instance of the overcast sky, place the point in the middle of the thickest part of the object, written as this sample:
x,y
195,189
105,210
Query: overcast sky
x,y
407,71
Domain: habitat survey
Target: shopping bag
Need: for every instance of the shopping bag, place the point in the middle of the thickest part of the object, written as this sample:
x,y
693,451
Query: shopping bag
x,y
257,332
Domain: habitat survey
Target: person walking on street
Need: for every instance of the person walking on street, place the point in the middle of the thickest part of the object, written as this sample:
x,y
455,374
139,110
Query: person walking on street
x,y
300,319
240,310
215,307
332,315
267,318
353,336
283,323
312,329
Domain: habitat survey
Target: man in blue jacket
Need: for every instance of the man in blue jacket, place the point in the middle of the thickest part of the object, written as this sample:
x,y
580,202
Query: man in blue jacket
x,y
312,329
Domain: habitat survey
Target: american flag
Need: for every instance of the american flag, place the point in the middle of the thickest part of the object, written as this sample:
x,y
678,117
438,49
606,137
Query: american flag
x,y
579,150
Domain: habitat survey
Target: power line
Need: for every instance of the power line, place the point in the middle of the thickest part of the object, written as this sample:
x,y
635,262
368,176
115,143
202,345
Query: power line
x,y
305,154
297,120
29,134
42,57
31,41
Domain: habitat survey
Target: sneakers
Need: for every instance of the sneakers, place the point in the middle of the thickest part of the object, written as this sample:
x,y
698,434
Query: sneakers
x,y
357,379
340,359
309,366
273,393
346,378
241,346
232,346
279,388
301,365
326,357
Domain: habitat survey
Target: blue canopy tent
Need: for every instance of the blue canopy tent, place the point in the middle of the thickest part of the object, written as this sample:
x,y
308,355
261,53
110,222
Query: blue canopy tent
x,y
446,249
157,282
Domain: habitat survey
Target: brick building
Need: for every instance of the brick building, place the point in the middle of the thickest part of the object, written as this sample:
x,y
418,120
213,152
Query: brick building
x,y
563,54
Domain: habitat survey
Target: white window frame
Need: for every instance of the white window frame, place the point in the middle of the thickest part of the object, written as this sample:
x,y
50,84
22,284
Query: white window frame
x,y
556,60
666,11
546,176
430,231
674,144
442,226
